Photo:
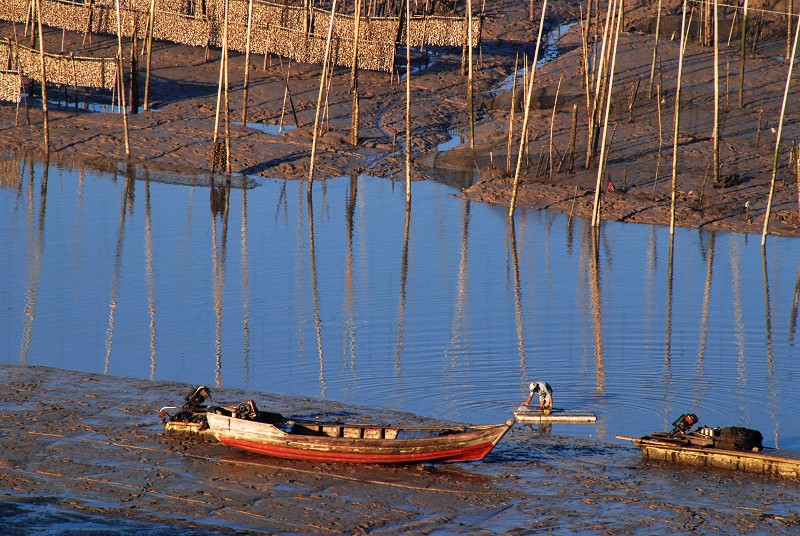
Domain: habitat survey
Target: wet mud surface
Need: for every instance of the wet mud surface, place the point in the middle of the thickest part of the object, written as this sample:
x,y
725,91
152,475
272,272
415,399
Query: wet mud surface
x,y
87,452
179,135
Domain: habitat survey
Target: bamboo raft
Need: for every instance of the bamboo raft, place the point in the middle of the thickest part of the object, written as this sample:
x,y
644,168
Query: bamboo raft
x,y
692,450
529,415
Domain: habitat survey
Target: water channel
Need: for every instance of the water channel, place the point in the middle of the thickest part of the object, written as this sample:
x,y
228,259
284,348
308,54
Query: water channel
x,y
445,310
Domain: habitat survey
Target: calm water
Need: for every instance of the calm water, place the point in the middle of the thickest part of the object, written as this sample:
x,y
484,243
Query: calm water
x,y
445,311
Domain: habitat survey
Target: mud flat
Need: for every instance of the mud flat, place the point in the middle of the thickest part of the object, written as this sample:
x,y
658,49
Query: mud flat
x,y
83,451
179,134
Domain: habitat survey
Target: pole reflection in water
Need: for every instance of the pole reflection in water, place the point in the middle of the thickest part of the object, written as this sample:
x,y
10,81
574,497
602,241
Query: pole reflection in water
x,y
125,206
795,303
36,239
315,295
349,332
593,235
456,348
516,285
149,275
401,302
772,391
743,397
701,351
220,196
668,335
245,293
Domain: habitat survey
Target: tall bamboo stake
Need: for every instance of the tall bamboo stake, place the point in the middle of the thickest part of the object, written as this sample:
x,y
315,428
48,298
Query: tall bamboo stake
x,y
523,138
150,29
778,139
741,56
216,149
552,126
44,78
246,87
120,67
655,52
469,78
511,116
715,135
677,121
602,164
354,77
408,103
322,79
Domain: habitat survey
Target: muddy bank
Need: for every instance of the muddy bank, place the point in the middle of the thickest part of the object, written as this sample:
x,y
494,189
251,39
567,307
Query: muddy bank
x,y
636,187
87,451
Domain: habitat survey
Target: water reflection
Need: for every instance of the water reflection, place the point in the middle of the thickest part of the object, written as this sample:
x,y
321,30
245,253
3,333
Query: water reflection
x,y
443,308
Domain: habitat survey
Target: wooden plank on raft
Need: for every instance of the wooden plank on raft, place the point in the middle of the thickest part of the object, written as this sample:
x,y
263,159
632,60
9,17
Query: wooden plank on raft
x,y
528,415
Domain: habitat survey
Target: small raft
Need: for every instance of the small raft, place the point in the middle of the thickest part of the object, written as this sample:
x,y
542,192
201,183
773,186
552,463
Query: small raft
x,y
701,449
531,415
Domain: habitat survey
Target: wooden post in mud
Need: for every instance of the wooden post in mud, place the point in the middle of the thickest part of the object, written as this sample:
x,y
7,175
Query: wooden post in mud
x,y
216,148
741,55
408,103
677,121
552,126
355,120
43,72
655,52
715,135
470,101
246,87
121,70
601,167
322,79
523,138
778,139
151,19
511,116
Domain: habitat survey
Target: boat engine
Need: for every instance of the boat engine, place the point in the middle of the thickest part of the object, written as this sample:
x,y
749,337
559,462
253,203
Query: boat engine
x,y
247,410
683,424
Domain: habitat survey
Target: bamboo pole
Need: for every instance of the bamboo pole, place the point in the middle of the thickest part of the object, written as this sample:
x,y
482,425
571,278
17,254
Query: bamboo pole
x,y
151,18
655,52
603,150
216,148
246,87
470,89
598,91
677,121
46,123
715,135
742,55
523,138
778,139
511,116
121,81
355,122
408,102
322,79
552,127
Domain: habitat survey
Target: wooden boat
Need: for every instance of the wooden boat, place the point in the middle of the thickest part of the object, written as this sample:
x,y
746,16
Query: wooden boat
x,y
533,415
704,448
273,435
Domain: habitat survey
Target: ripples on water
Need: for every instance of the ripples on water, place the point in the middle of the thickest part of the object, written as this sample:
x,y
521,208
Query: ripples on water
x,y
447,312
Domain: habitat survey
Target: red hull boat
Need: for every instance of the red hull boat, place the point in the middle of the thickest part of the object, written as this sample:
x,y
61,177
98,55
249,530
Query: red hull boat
x,y
273,435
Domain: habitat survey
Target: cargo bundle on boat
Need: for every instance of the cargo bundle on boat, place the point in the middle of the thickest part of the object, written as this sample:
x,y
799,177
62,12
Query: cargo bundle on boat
x,y
734,448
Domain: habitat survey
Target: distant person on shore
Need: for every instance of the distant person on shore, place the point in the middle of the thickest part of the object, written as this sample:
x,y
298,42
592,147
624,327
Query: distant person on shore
x,y
545,393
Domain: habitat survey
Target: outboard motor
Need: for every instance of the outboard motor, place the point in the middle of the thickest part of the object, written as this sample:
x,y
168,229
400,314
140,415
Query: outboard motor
x,y
683,424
